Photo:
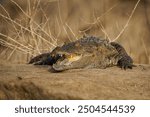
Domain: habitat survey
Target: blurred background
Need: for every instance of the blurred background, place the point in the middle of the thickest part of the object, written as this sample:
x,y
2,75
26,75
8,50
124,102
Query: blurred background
x,y
31,27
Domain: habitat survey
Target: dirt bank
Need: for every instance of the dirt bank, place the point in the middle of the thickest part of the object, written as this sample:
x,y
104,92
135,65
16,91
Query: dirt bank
x,y
34,82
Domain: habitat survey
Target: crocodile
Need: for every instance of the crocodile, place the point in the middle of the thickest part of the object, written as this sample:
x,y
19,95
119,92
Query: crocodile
x,y
86,52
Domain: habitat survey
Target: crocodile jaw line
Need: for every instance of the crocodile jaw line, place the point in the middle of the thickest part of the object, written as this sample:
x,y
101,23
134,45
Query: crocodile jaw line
x,y
66,63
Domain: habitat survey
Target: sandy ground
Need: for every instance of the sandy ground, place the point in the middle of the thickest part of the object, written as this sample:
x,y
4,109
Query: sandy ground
x,y
35,82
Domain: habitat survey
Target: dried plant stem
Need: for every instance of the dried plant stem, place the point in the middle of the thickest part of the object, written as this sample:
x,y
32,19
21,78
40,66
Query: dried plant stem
x,y
9,45
98,20
59,13
27,29
31,19
103,30
127,23
71,31
49,35
11,53
59,32
10,18
15,41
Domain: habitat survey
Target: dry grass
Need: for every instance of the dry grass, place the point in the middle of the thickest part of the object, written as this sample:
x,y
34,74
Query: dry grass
x,y
40,25
126,25
13,43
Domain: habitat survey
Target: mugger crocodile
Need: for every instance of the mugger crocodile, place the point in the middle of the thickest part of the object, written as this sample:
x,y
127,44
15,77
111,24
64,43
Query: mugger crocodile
x,y
87,52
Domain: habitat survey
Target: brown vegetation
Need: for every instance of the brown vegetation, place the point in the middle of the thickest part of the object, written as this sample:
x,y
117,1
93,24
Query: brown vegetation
x,y
30,27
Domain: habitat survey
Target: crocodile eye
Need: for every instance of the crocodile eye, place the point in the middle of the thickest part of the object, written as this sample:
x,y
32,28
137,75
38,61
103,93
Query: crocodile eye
x,y
61,55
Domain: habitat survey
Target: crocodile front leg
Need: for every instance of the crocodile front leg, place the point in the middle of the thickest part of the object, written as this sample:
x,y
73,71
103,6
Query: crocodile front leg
x,y
125,61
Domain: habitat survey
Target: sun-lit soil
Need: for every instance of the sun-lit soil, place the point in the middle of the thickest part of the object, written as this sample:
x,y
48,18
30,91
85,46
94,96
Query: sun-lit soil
x,y
36,82
31,27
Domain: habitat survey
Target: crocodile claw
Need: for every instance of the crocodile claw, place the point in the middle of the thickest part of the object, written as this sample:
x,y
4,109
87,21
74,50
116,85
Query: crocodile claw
x,y
125,63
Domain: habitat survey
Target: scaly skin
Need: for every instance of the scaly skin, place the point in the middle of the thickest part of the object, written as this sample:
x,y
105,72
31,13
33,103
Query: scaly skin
x,y
87,52
125,60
